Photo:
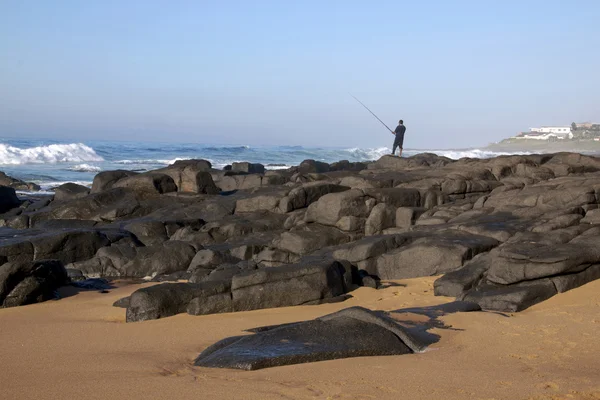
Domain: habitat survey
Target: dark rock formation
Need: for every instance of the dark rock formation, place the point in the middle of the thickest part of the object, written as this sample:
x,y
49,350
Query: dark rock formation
x,y
8,199
505,233
27,282
69,191
353,332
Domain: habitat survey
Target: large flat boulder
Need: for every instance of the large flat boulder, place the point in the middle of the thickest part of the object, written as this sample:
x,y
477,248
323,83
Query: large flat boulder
x,y
432,255
365,333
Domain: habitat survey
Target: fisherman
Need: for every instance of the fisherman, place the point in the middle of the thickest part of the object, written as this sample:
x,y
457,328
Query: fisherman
x,y
399,141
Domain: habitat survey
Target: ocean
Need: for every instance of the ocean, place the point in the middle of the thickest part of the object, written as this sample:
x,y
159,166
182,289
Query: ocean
x,y
50,163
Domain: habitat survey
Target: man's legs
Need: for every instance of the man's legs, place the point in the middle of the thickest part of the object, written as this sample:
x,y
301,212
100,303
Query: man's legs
x,y
399,142
394,147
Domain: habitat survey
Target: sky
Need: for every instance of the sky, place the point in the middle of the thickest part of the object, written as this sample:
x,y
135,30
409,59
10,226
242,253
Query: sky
x,y
461,74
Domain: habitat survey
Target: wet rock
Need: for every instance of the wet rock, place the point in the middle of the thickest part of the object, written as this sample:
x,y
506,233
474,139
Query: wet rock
x,y
366,333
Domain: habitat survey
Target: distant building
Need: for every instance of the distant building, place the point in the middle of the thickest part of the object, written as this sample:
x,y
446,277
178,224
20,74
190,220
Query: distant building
x,y
561,132
584,125
547,133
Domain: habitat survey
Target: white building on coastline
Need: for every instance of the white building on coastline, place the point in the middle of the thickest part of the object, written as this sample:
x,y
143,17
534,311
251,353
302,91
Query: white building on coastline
x,y
547,132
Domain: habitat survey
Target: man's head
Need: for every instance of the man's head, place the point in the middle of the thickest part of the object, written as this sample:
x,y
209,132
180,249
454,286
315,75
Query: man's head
x,y
401,122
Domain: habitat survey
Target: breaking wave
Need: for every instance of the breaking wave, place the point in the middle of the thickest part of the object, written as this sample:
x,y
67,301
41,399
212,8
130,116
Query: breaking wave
x,y
50,154
465,153
84,168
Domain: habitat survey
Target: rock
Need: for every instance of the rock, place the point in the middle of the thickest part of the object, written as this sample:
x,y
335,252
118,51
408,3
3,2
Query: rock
x,y
8,199
75,274
572,281
406,216
306,239
68,247
456,283
248,168
17,184
330,208
123,302
218,303
511,298
432,255
109,261
173,277
92,284
366,333
168,299
192,176
290,285
345,165
106,179
351,223
166,258
263,202
307,194
275,258
148,232
382,216
208,259
517,262
396,197
149,182
30,282
69,191
369,281
591,217
312,166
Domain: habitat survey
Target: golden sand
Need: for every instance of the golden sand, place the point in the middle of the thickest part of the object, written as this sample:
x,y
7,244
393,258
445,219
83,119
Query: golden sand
x,y
81,348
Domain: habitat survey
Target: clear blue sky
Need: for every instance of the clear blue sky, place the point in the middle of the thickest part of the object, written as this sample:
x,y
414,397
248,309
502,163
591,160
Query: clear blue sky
x,y
460,73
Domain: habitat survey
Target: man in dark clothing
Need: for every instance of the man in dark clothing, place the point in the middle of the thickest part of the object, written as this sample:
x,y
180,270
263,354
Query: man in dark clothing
x,y
399,141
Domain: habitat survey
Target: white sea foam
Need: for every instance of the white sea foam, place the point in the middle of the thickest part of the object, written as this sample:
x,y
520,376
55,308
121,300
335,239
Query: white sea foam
x,y
47,186
84,168
54,153
150,161
462,153
369,154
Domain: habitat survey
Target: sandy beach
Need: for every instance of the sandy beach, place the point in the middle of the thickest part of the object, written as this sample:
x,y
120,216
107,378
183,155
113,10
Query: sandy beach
x,y
81,347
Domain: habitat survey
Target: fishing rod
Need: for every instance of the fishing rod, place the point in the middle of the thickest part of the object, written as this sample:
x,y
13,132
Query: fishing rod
x,y
361,103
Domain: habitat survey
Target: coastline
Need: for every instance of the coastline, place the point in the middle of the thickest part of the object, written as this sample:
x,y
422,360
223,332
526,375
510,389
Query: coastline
x,y
399,235
544,146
